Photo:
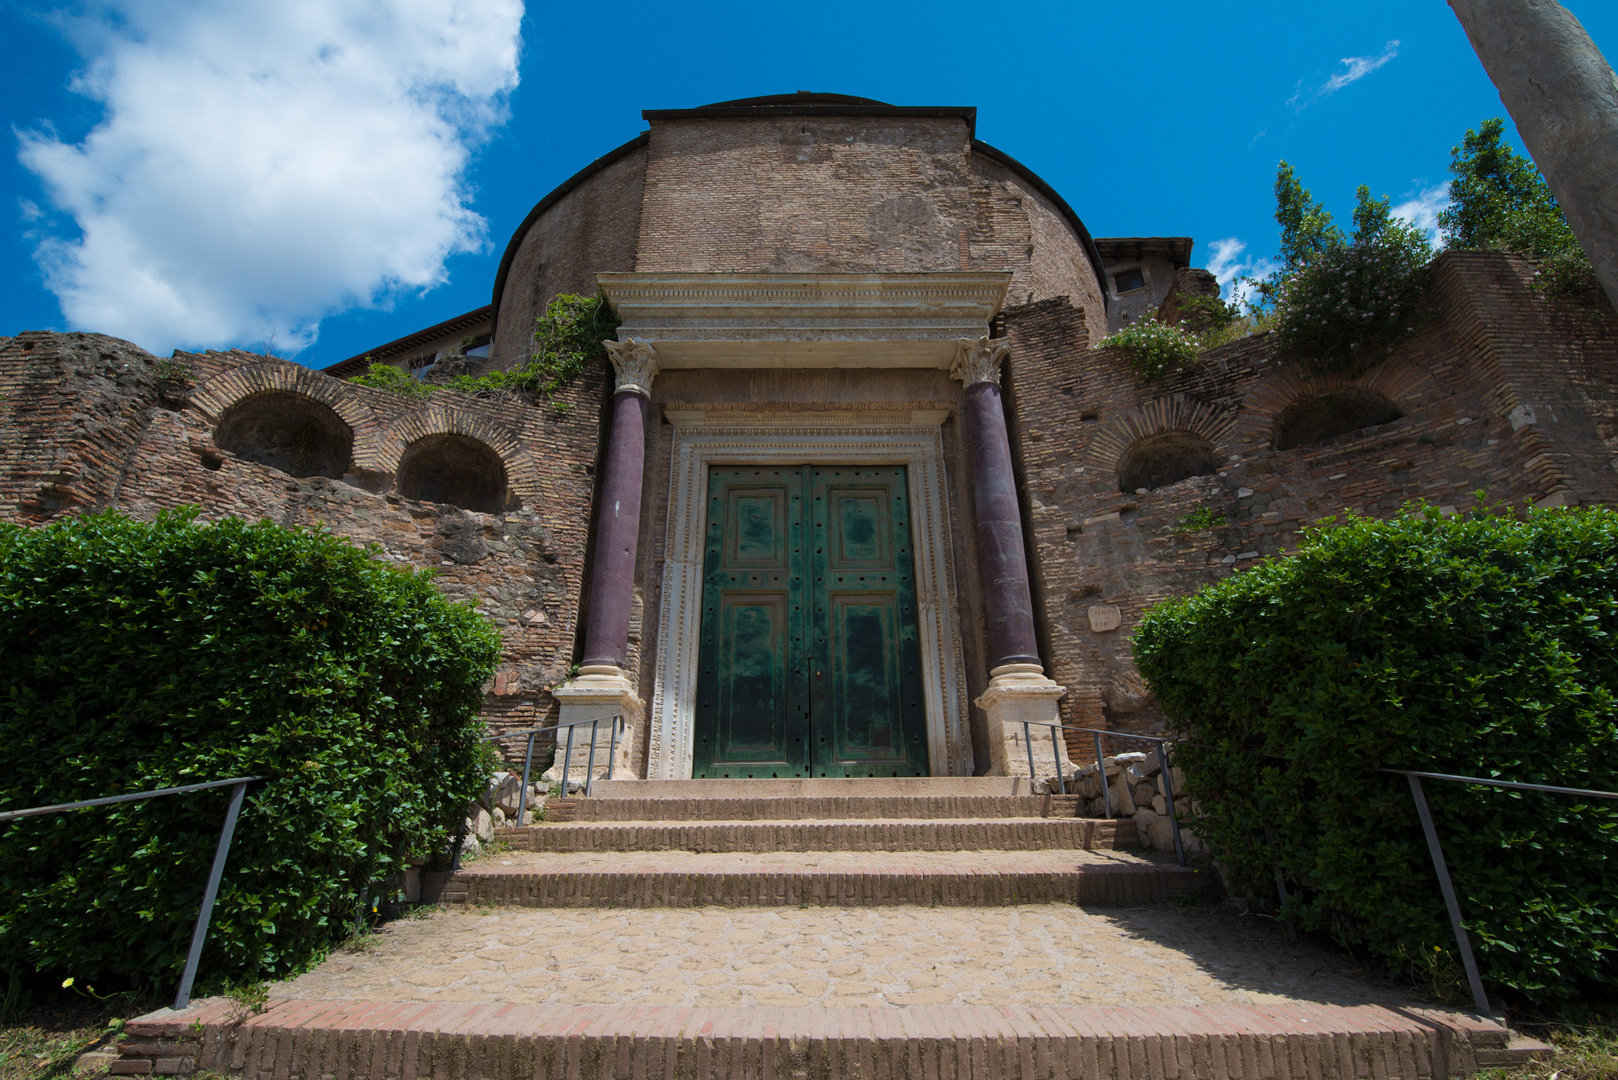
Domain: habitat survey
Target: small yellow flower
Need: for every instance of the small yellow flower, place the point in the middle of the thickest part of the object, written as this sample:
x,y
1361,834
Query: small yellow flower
x,y
67,982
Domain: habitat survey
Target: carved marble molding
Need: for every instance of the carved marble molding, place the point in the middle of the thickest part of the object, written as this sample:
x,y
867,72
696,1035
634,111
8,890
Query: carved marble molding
x,y
747,320
979,361
635,363
698,445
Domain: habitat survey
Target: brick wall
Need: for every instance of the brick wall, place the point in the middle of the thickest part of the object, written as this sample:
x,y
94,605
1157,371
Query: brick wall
x,y
1493,345
82,427
589,230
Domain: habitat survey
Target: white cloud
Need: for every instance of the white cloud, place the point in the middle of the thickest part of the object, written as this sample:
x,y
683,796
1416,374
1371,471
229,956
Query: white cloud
x,y
1423,209
1353,69
1234,270
263,164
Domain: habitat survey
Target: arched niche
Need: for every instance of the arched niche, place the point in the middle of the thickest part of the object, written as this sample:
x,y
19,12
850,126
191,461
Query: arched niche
x,y
1165,458
1325,416
454,469
287,431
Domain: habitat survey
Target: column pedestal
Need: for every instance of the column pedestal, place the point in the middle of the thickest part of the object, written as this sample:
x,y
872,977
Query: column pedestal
x,y
1018,693
600,690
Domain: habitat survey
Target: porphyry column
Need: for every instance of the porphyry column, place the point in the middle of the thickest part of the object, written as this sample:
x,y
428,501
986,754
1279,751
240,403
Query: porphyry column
x,y
602,688
1563,97
1018,688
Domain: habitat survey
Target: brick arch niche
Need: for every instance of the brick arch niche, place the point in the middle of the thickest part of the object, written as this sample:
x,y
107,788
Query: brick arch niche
x,y
1165,458
288,431
1319,417
455,469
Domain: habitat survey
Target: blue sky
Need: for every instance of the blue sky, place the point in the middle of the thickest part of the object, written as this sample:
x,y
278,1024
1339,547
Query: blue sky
x,y
321,176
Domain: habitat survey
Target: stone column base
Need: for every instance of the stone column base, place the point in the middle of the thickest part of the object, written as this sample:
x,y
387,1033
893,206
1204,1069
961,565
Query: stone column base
x,y
1019,692
601,690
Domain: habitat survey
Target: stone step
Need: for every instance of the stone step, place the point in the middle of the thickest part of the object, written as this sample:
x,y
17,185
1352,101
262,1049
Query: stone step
x,y
643,879
805,787
943,834
803,808
377,1040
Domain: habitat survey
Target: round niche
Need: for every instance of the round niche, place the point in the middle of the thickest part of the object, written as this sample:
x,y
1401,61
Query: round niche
x,y
1320,417
1165,458
454,469
287,431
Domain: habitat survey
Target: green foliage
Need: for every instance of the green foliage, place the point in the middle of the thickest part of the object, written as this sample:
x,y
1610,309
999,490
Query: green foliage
x,y
567,338
1343,301
1201,519
386,377
1155,350
175,371
150,655
1498,199
1476,645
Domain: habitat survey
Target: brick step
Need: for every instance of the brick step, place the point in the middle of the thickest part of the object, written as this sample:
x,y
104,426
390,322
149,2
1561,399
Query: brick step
x,y
946,834
374,1040
968,879
805,808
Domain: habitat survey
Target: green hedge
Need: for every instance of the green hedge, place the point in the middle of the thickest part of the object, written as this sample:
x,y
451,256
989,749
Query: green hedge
x,y
148,655
1481,646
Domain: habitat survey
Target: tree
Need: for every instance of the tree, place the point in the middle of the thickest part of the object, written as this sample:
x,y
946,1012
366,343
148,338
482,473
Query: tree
x,y
1499,200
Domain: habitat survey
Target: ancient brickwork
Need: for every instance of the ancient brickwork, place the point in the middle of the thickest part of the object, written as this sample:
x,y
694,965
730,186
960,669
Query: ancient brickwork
x,y
139,448
850,194
1104,555
72,407
589,230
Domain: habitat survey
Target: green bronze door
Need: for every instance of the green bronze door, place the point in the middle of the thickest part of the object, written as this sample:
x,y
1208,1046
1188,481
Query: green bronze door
x,y
809,660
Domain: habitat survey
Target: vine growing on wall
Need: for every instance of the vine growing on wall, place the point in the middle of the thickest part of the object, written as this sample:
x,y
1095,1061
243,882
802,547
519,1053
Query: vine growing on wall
x,y
567,338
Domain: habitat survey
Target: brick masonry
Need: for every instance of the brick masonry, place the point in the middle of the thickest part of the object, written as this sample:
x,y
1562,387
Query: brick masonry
x,y
85,425
1502,392
1035,834
325,1040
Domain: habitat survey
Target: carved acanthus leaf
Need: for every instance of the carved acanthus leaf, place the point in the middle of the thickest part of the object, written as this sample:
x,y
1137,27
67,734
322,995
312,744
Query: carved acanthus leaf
x,y
979,361
636,364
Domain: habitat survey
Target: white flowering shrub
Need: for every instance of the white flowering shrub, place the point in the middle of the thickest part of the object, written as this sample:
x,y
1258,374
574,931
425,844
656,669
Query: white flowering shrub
x,y
1154,350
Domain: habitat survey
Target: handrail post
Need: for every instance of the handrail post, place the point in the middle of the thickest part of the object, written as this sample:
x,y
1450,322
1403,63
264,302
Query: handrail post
x,y
1028,745
522,796
590,769
567,759
1168,801
612,750
1101,773
1479,998
183,997
1056,752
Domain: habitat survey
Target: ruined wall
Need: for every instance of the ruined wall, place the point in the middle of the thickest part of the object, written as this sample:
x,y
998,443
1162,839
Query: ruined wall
x,y
589,230
1457,387
85,425
72,408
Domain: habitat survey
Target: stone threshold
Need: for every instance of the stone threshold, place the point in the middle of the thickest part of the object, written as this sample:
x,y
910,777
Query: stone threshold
x,y
815,787
351,1040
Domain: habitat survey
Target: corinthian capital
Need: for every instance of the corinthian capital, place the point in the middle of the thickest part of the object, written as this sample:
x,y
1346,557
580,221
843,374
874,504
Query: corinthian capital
x,y
636,365
979,361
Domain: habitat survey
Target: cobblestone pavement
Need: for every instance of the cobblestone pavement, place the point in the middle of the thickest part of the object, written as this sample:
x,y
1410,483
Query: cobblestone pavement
x,y
1052,954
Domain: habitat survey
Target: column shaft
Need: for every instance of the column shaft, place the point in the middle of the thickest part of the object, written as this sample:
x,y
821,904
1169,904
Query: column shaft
x,y
1002,557
612,578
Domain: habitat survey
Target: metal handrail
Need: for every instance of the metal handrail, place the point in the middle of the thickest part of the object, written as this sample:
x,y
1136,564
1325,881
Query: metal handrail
x,y
1101,770
1434,848
199,934
528,757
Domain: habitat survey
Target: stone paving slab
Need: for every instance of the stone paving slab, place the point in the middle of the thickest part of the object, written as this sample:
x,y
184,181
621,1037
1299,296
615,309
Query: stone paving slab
x,y
1030,955
844,878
